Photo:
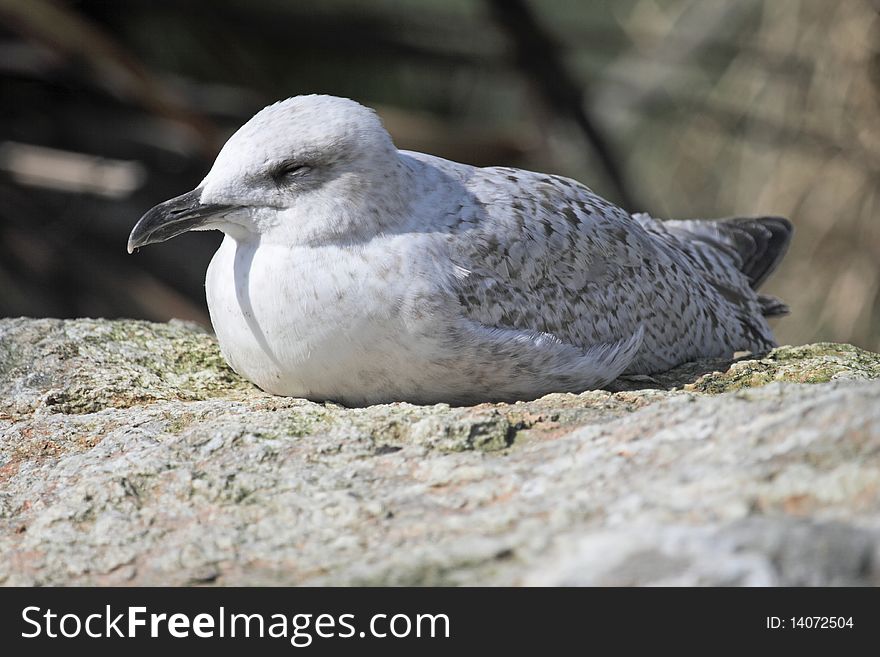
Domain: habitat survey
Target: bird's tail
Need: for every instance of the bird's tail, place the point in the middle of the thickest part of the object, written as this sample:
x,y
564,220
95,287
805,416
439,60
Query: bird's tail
x,y
755,244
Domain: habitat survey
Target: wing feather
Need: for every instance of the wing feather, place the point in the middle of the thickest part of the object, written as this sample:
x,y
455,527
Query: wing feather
x,y
547,254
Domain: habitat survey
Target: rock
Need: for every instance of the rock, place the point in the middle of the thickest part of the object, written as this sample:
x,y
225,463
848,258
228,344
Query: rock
x,y
131,454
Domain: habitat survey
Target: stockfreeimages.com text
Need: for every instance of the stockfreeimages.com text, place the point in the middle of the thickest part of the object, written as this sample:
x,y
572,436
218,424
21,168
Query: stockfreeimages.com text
x,y
299,629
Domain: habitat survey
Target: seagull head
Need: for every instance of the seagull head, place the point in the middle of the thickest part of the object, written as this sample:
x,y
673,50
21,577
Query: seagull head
x,y
301,169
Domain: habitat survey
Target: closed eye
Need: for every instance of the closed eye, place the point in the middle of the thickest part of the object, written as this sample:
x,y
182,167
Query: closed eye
x,y
288,170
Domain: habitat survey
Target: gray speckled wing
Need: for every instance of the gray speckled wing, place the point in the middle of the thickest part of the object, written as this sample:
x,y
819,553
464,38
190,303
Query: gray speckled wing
x,y
546,254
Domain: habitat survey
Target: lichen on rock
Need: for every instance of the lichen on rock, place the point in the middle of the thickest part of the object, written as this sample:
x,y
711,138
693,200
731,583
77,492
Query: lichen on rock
x,y
131,454
83,366
814,363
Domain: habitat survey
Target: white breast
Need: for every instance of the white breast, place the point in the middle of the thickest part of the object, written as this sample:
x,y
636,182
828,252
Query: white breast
x,y
318,322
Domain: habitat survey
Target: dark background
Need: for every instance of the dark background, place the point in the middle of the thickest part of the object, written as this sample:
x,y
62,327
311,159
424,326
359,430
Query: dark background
x,y
682,108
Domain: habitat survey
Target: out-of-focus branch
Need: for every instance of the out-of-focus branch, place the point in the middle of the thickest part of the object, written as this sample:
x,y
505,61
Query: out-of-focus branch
x,y
538,58
64,31
729,119
658,65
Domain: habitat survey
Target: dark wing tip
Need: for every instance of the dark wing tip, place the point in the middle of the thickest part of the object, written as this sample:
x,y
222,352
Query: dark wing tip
x,y
771,237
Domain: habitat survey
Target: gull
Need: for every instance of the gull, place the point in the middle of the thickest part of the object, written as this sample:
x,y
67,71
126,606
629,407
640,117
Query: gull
x,y
355,272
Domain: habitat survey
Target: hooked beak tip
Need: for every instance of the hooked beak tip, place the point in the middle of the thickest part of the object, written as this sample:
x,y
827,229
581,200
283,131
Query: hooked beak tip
x,y
171,218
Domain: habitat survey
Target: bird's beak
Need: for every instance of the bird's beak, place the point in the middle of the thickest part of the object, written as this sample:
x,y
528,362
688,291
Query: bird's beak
x,y
173,217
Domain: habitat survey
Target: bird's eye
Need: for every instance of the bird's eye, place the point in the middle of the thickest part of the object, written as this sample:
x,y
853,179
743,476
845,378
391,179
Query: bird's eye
x,y
289,170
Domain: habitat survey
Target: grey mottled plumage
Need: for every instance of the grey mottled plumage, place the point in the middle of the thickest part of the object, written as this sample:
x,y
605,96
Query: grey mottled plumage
x,y
356,272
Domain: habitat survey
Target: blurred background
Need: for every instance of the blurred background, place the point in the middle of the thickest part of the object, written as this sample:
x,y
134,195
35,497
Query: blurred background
x,y
682,108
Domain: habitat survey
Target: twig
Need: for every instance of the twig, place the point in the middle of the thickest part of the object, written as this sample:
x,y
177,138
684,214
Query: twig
x,y
538,57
